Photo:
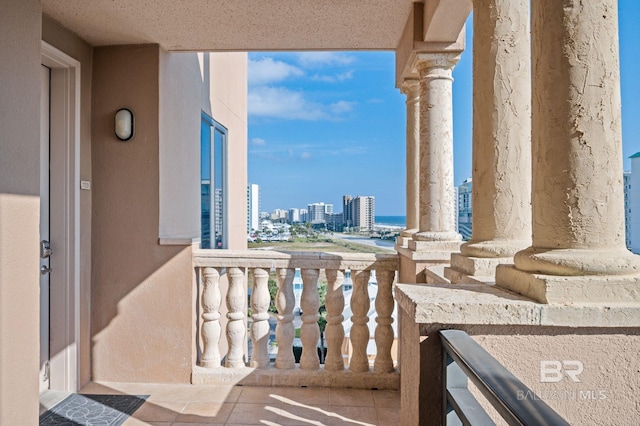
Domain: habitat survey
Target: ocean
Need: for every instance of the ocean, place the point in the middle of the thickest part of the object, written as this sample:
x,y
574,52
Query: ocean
x,y
391,221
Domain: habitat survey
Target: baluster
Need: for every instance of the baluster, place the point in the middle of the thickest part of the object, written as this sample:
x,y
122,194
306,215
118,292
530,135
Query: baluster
x,y
334,331
310,331
210,329
285,332
359,330
236,330
384,332
260,315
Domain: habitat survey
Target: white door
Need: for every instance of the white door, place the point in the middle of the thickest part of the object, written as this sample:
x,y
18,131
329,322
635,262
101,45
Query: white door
x,y
44,227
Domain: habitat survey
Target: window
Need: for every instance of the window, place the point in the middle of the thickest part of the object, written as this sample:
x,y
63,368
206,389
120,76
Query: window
x,y
213,153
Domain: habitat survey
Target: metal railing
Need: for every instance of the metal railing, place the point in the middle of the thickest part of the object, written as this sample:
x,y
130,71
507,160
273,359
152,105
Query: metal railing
x,y
465,359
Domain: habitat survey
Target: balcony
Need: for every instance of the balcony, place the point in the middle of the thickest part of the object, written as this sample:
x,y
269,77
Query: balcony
x,y
363,358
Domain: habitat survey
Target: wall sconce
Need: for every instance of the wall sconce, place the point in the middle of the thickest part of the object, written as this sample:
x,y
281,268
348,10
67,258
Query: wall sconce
x,y
124,124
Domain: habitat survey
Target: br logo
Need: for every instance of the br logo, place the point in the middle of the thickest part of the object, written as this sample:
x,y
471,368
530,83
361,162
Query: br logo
x,y
555,371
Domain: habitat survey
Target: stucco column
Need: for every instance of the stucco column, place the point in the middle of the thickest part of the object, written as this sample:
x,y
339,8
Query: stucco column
x,y
437,226
411,88
578,251
501,140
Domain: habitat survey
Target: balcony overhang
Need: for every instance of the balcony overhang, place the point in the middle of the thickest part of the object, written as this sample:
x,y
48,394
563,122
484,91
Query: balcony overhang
x,y
240,25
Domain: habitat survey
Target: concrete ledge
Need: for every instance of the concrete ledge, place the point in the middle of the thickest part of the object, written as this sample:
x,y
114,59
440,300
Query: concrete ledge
x,y
248,376
602,289
482,304
457,277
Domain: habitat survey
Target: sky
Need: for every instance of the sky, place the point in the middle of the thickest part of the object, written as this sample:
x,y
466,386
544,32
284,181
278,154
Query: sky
x,y
327,124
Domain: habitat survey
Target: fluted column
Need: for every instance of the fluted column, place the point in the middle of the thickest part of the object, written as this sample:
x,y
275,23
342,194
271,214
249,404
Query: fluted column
x,y
437,226
260,319
285,331
236,328
578,201
334,330
211,330
501,140
411,88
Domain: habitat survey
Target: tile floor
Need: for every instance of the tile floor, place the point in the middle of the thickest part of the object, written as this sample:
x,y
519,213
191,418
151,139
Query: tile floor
x,y
246,405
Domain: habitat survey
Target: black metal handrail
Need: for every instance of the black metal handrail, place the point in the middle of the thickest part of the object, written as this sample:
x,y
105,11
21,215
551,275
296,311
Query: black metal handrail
x,y
464,358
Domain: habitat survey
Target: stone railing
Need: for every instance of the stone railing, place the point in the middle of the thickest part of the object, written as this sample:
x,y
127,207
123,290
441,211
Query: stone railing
x,y
230,367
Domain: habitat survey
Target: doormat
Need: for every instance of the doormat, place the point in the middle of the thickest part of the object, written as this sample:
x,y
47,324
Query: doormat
x,y
103,410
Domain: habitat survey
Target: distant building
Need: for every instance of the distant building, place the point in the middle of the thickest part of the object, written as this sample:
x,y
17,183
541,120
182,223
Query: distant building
x,y
634,204
253,207
304,215
358,212
279,215
294,216
626,180
347,217
363,211
465,209
318,212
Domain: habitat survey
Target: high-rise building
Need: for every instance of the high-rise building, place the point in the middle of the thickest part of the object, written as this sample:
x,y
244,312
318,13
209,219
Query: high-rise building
x,y
363,212
347,216
634,204
318,212
465,209
294,215
358,212
626,180
304,215
253,207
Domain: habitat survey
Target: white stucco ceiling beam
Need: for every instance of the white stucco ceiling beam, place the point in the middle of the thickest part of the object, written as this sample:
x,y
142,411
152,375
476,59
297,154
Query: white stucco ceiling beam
x,y
444,19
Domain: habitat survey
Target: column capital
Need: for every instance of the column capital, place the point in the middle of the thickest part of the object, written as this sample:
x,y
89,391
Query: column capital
x,y
427,60
411,88
410,85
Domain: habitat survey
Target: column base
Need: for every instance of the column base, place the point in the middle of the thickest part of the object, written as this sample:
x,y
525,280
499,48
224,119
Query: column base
x,y
477,270
402,241
570,289
434,246
422,267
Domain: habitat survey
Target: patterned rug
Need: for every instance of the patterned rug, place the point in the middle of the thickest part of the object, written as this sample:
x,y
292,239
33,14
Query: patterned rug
x,y
94,410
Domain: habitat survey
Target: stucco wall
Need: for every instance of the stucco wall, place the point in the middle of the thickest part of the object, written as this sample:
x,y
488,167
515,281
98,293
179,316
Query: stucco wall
x,y
20,32
608,387
69,43
180,94
225,100
141,291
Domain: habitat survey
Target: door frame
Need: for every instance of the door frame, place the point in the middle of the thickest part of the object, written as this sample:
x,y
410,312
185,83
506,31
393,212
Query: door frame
x,y
64,314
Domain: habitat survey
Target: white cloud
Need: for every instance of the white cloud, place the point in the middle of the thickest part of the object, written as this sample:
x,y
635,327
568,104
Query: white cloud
x,y
266,70
305,155
258,141
341,107
333,78
314,59
278,102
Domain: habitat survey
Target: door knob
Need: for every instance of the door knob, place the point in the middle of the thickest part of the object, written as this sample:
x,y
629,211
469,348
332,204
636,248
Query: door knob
x,y
44,269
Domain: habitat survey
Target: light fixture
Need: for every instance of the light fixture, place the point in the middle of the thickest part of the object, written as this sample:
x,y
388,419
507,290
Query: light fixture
x,y
124,124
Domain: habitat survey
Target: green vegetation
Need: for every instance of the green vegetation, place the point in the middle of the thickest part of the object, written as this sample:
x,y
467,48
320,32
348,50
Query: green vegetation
x,y
318,242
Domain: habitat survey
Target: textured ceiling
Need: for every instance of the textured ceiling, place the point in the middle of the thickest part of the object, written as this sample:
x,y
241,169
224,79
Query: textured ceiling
x,y
236,24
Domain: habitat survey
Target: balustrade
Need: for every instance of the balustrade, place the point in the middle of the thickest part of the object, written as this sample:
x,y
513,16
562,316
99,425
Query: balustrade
x,y
342,347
